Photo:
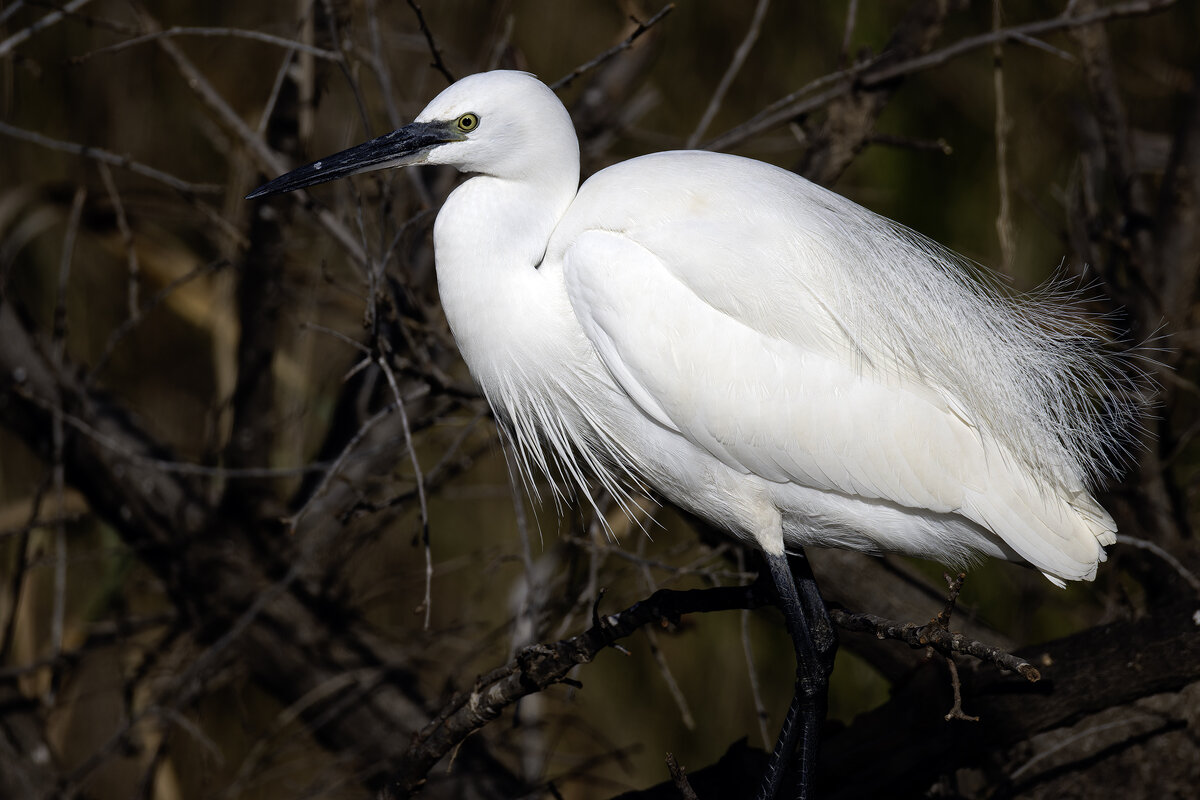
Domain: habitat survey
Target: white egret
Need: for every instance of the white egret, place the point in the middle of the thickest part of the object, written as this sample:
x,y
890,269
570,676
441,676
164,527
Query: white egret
x,y
761,351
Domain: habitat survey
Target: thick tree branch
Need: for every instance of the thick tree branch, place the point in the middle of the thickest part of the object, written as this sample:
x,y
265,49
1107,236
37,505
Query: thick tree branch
x,y
540,666
899,749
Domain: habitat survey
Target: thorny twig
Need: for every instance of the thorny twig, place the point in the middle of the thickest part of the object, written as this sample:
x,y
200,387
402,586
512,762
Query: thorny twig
x,y
953,589
540,666
935,634
679,776
543,665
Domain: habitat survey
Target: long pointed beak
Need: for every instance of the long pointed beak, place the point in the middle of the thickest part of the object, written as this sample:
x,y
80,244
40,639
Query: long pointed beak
x,y
408,145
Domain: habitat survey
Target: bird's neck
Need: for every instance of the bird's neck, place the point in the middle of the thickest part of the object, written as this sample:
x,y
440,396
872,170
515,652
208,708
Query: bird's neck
x,y
507,312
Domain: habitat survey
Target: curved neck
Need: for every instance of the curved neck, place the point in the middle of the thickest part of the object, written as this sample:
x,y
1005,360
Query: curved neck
x,y
489,240
491,223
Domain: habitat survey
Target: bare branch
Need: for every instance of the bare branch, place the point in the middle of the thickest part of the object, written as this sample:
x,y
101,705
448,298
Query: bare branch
x,y
540,666
935,636
52,18
233,33
1004,224
625,44
679,776
874,72
438,63
735,66
125,162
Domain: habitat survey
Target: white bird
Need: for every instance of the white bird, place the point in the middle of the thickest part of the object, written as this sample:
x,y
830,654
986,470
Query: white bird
x,y
759,350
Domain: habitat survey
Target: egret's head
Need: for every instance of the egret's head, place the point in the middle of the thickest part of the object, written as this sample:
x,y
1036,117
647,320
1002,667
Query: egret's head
x,y
503,123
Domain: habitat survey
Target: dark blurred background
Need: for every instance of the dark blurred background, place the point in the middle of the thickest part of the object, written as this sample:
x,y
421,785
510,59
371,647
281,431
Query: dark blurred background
x,y
226,572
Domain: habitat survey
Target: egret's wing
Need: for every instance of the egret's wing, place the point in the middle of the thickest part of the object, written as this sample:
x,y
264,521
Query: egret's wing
x,y
760,404
663,305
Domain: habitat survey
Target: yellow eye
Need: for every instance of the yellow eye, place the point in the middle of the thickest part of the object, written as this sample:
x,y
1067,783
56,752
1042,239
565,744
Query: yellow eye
x,y
467,122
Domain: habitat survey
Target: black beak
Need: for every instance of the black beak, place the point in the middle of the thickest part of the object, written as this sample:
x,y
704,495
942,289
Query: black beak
x,y
402,147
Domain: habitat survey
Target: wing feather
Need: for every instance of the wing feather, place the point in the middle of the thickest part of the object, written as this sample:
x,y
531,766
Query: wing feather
x,y
797,337
788,413
761,405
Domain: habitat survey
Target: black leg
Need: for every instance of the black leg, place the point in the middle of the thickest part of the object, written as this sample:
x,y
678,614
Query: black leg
x,y
815,643
821,627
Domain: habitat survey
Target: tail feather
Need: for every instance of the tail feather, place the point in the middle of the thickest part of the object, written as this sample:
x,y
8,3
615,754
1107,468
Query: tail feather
x,y
1060,533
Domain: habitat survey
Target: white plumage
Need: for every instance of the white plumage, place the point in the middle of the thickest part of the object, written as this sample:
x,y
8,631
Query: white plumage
x,y
760,350
764,353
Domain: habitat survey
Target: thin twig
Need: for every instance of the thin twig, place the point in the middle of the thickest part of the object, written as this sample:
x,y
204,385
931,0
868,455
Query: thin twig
x,y
953,589
16,579
938,145
427,603
625,44
125,162
334,468
848,34
1004,226
685,712
343,63
236,33
379,65
673,687
131,257
1038,44
167,465
679,778
136,315
268,160
338,335
13,8
53,17
266,743
1157,550
956,711
1017,33
735,66
529,609
438,63
59,609
189,682
99,635
1078,735
268,109
760,708
931,635
872,72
